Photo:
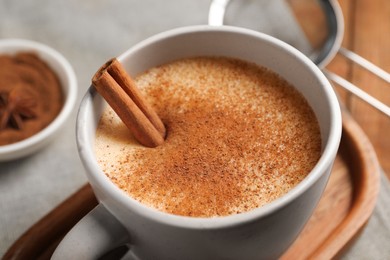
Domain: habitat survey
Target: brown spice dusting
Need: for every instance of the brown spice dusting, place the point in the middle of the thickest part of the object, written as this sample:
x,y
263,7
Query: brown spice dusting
x,y
239,137
30,96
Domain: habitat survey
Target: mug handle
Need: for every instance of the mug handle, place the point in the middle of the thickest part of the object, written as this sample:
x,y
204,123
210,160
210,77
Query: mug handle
x,y
94,235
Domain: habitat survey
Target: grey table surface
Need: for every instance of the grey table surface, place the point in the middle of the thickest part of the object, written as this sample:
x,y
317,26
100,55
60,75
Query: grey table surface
x,y
88,33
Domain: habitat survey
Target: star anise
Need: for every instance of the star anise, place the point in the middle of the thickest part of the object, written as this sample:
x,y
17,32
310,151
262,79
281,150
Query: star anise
x,y
16,106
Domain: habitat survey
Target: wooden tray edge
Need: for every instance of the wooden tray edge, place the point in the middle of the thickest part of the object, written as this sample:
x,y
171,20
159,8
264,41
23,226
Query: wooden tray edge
x,y
50,229
33,243
365,194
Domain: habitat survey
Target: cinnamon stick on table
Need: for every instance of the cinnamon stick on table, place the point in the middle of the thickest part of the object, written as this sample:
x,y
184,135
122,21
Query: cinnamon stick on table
x,y
119,90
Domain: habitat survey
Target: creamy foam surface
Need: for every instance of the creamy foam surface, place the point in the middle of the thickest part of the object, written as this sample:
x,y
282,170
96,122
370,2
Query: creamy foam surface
x,y
239,137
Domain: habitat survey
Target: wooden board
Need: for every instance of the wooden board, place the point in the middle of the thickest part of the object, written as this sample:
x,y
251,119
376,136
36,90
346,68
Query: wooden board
x,y
367,33
345,207
372,40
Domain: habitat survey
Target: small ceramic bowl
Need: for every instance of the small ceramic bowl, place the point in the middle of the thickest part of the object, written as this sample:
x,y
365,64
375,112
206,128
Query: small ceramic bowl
x,y
68,81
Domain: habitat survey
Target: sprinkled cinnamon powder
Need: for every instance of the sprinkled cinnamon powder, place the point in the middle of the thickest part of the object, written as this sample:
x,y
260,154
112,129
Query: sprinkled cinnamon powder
x,y
239,137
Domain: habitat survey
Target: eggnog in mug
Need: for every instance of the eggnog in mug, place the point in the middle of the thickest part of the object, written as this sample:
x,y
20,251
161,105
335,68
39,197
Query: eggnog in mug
x,y
238,137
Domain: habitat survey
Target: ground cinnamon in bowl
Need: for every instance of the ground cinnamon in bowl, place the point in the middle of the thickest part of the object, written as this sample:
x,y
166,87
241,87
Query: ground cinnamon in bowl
x,y
31,96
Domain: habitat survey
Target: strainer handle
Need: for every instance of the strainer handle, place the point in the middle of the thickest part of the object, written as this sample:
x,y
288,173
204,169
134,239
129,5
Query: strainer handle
x,y
365,64
358,92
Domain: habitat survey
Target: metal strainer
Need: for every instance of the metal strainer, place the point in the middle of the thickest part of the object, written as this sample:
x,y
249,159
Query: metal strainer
x,y
277,18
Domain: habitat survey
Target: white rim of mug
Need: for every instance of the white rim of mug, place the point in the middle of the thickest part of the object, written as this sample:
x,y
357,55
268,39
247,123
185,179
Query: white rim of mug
x,y
122,199
11,46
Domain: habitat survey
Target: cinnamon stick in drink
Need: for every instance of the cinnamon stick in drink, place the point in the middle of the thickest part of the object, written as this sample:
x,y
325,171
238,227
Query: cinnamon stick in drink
x,y
120,92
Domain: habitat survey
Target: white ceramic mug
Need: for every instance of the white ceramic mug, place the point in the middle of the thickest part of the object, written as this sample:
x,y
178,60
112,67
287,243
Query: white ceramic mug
x,y
263,233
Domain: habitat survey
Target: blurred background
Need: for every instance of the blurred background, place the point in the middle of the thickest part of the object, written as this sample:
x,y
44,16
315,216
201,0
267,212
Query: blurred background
x,y
88,33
